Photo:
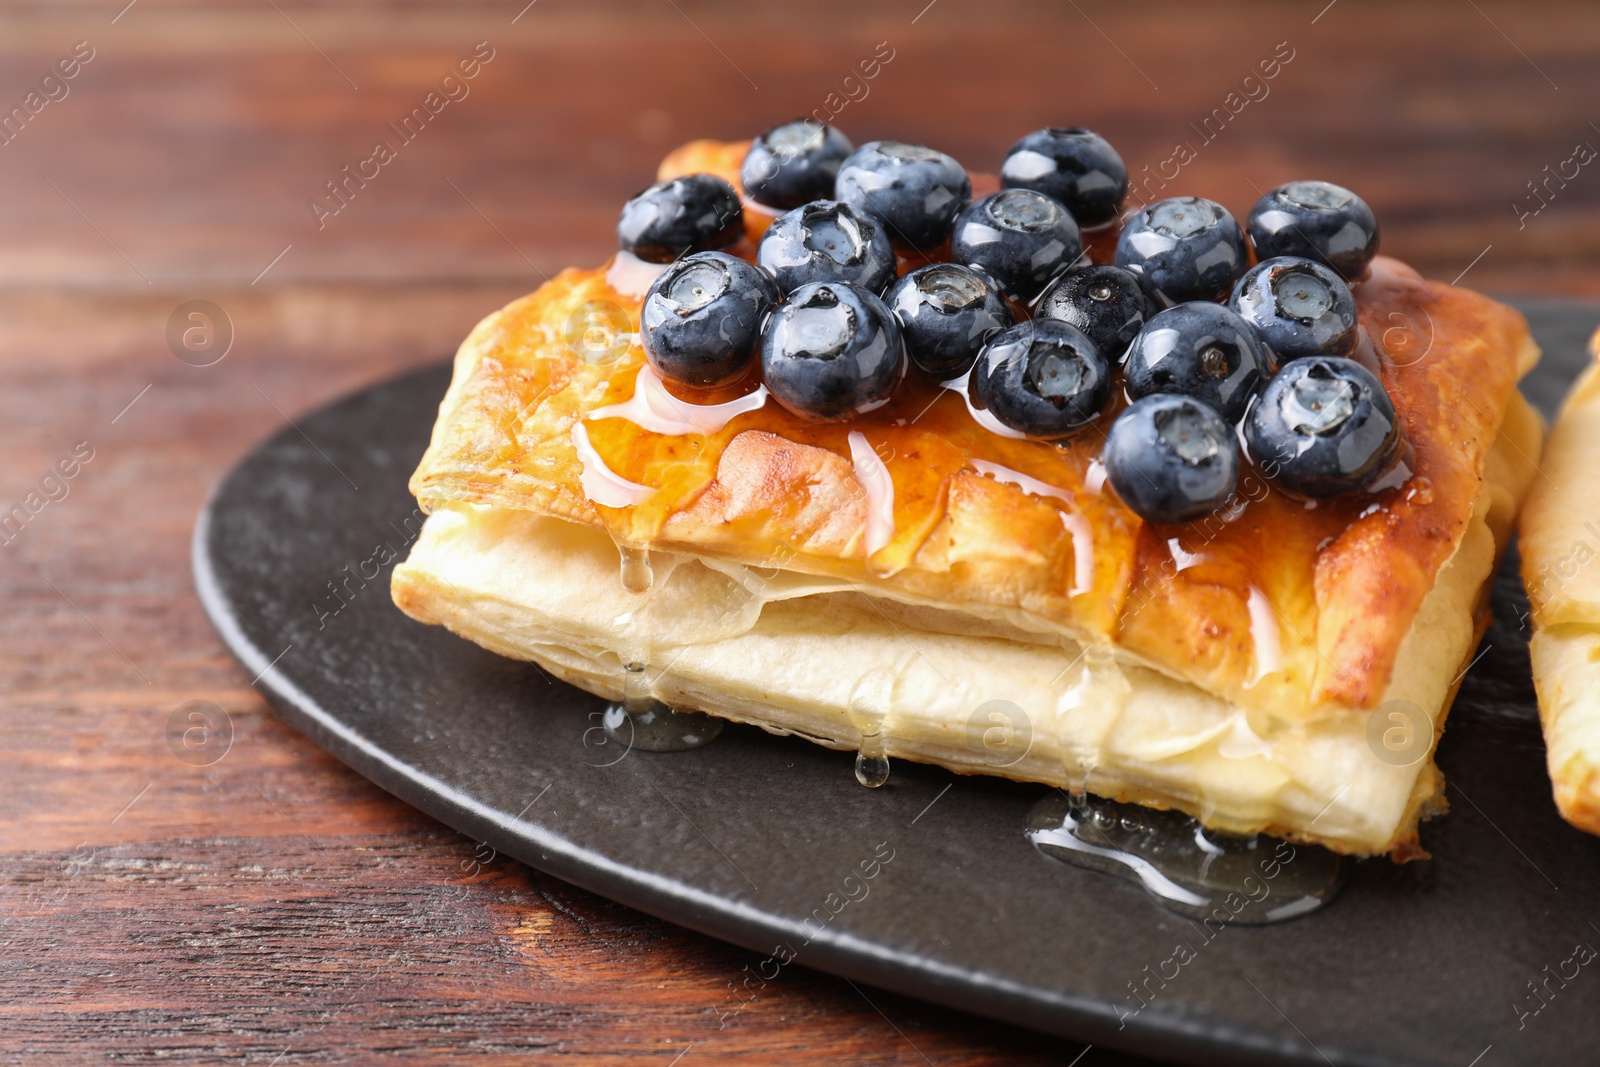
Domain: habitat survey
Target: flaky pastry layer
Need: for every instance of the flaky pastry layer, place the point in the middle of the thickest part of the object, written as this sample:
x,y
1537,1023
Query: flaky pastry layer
x,y
799,653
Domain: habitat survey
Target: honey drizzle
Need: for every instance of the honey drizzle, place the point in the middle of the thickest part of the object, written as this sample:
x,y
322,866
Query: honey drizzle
x,y
870,705
1093,703
641,720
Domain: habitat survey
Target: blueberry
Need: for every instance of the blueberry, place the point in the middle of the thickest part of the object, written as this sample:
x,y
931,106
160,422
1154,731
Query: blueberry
x,y
1185,248
1041,378
1324,426
946,313
1171,458
1103,301
827,241
914,190
1020,237
1299,308
1076,166
687,214
793,164
830,351
701,319
1199,350
1316,220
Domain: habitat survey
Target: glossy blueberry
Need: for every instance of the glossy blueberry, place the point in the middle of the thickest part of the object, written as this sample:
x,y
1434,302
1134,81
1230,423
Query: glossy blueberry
x,y
946,314
1185,248
701,319
1298,307
1324,426
914,190
1020,237
1199,350
1171,458
1075,166
1041,378
793,164
689,214
1316,220
1103,301
827,241
830,351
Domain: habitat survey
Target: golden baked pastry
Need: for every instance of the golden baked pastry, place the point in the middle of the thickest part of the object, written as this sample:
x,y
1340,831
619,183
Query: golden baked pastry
x,y
1559,539
913,564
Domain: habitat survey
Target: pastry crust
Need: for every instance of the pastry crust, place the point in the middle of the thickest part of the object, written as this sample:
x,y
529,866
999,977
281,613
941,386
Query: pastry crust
x,y
792,653
1345,582
1560,539
1300,620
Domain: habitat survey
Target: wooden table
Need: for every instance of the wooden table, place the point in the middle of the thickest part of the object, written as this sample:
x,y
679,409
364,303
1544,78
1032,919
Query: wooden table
x,y
273,907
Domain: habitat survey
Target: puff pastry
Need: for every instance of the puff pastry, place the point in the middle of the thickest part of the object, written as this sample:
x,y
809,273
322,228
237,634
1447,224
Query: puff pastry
x,y
1229,668
1559,538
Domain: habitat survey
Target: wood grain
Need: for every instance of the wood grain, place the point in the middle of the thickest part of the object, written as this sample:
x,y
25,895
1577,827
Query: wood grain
x,y
273,907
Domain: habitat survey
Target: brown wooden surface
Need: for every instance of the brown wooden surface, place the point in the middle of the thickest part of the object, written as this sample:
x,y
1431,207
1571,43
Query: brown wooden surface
x,y
273,907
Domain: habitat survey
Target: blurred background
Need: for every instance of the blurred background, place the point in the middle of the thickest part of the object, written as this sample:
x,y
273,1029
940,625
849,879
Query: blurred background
x,y
270,906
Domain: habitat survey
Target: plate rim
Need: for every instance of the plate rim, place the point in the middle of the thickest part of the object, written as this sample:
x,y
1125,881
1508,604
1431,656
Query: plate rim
x,y
1166,1036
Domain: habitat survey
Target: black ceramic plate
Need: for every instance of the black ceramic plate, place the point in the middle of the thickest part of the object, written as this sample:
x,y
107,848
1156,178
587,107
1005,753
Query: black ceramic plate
x,y
764,841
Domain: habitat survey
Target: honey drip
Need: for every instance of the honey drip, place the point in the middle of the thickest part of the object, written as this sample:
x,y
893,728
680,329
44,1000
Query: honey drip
x,y
1095,701
869,713
637,575
641,721
872,770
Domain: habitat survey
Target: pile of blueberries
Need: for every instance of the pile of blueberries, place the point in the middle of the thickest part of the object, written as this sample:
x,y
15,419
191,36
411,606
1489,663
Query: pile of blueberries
x,y
1210,350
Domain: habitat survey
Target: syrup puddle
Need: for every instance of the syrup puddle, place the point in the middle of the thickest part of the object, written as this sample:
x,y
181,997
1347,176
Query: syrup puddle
x,y
980,416
601,484
655,409
644,723
1184,867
